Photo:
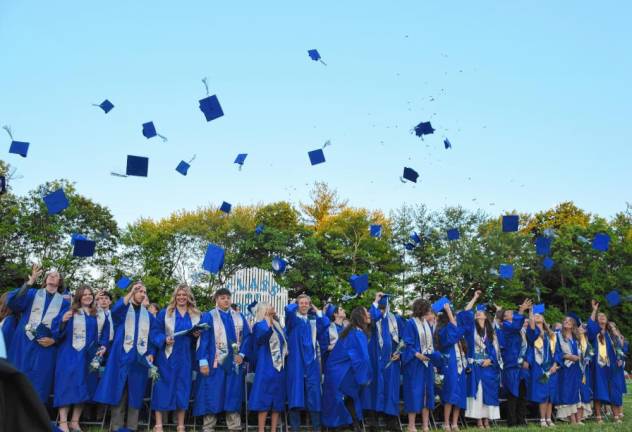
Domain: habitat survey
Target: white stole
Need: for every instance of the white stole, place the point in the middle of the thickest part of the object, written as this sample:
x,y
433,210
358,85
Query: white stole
x,y
37,309
425,337
277,352
392,327
333,336
567,348
221,340
170,325
103,316
142,341
79,333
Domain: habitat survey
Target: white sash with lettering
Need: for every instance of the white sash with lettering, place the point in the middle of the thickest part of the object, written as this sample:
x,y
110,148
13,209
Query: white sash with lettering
x,y
170,325
425,337
221,340
37,308
103,316
392,327
79,330
278,353
566,346
142,341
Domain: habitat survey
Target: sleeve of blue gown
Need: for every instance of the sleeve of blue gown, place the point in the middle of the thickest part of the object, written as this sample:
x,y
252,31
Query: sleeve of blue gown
x,y
359,355
322,324
409,338
515,325
118,312
245,345
206,339
593,329
104,340
19,303
558,355
532,335
626,347
262,332
450,335
290,316
375,313
157,333
60,329
465,319
56,324
153,327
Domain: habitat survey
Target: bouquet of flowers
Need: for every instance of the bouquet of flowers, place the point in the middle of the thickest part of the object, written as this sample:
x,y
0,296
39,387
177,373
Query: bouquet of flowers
x,y
153,372
235,348
29,329
398,350
95,363
544,378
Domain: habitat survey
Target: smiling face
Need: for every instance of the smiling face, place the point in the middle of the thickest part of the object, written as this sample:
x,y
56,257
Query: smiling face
x,y
182,298
222,301
87,298
140,293
480,316
539,319
103,301
304,303
602,319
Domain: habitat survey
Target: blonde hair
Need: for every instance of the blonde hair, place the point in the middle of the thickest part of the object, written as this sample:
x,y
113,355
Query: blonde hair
x,y
262,310
191,306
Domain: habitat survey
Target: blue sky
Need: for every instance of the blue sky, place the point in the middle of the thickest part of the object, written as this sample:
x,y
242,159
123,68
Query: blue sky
x,y
534,96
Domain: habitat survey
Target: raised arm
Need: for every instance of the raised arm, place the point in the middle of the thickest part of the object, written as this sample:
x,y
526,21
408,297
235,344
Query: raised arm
x,y
472,302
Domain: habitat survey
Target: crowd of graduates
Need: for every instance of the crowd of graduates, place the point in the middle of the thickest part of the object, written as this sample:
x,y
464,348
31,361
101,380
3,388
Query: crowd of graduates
x,y
337,370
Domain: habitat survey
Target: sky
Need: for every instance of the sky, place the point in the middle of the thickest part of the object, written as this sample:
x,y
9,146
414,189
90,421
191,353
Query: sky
x,y
535,98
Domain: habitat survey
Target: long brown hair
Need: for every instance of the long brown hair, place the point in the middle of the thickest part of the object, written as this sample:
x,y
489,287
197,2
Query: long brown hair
x,y
4,308
357,320
191,306
76,300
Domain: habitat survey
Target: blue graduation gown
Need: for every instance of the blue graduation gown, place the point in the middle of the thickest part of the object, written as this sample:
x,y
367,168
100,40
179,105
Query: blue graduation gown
x,y
324,339
35,361
418,378
223,388
303,367
347,372
537,391
586,392
124,367
172,390
487,377
269,388
602,376
618,387
511,343
74,383
569,377
454,383
8,329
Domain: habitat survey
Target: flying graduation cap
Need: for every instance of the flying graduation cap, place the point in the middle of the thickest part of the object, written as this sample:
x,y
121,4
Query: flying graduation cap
x,y
210,106
447,144
600,242
453,234
359,283
613,298
56,201
316,156
279,265
252,307
240,159
539,308
17,147
183,166
423,128
543,246
315,55
3,184
376,230
505,271
149,131
83,247
415,237
548,263
123,282
137,166
259,229
409,174
225,207
213,259
439,304
106,106
409,246
510,223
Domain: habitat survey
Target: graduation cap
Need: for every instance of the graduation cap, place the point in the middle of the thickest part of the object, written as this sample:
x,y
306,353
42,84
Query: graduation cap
x,y
3,184
574,316
137,166
123,282
359,283
409,246
613,298
183,166
548,263
84,248
316,156
543,246
314,55
225,207
279,265
149,131
453,234
481,307
17,147
252,307
213,259
510,223
423,128
56,201
410,175
438,305
447,143
106,106
505,271
384,300
329,311
74,237
415,237
240,159
539,308
600,242
211,108
376,230
259,229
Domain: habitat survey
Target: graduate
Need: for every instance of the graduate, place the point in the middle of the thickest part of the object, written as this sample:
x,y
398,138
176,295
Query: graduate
x,y
586,355
570,373
449,340
8,320
223,348
131,356
333,324
303,363
78,342
513,354
483,353
33,348
543,364
104,317
382,395
348,372
174,356
269,387
417,364
605,389
621,348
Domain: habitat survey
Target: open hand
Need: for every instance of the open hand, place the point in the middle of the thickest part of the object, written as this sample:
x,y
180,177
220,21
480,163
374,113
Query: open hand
x,y
46,342
36,272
